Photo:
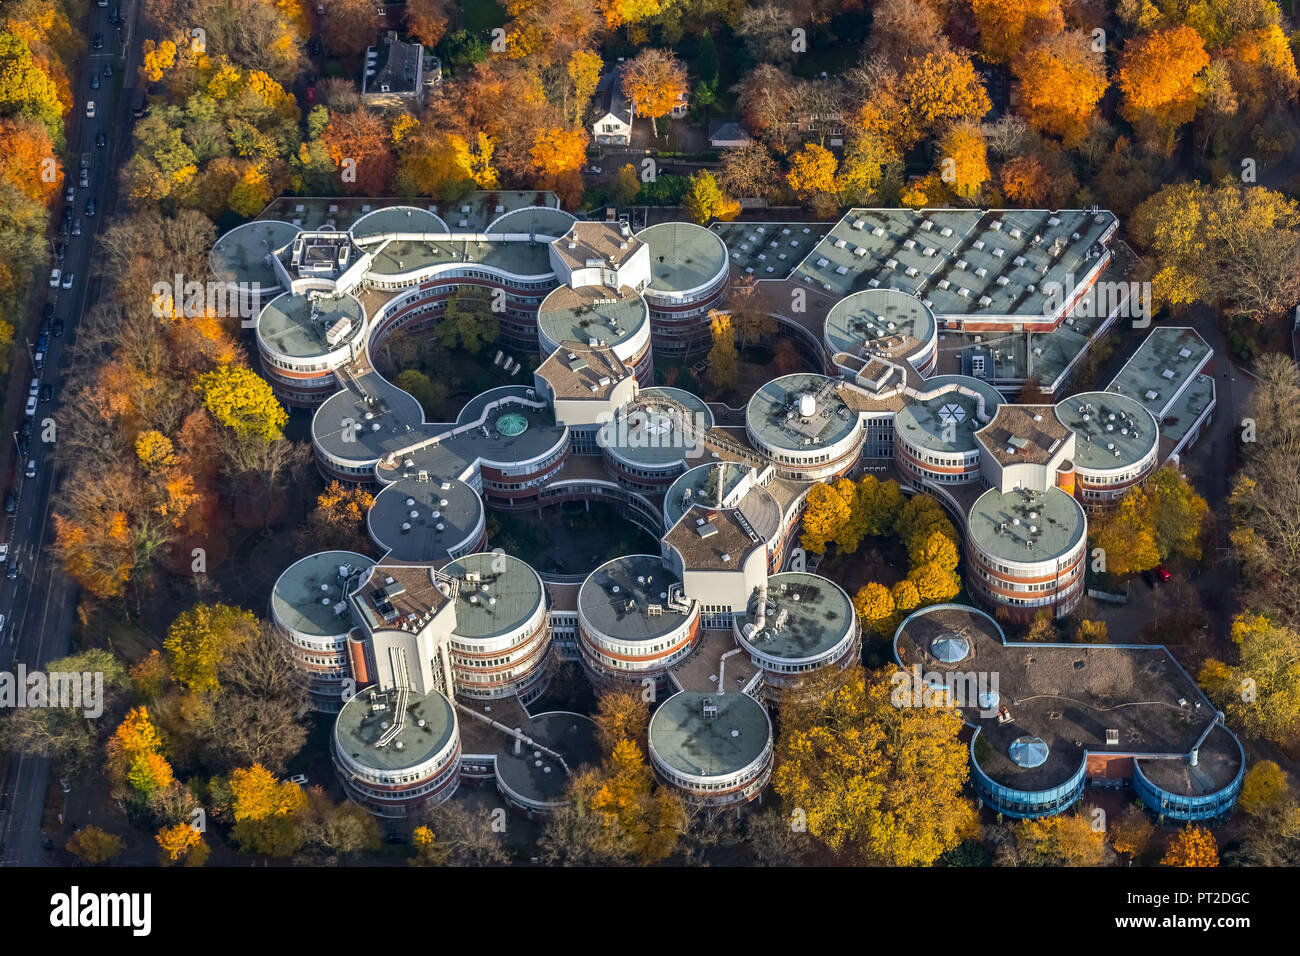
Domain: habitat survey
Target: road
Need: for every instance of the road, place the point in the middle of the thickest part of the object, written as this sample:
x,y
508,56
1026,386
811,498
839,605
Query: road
x,y
39,606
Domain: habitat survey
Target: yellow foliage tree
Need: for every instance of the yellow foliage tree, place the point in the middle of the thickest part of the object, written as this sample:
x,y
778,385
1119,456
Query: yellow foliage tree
x,y
1007,26
812,171
1061,82
1194,846
199,639
1066,839
1157,77
825,513
874,604
963,160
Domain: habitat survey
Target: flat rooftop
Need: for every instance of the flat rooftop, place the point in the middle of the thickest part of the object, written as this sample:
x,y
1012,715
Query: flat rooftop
x,y
472,214
686,740
575,370
241,254
507,593
615,598
592,312
418,521
308,591
395,592
880,322
1067,695
1111,430
1026,526
956,257
1168,358
1184,413
769,250
596,243
296,325
402,256
720,539
397,220
359,726
543,222
774,412
650,436
683,256
947,422
535,774
368,422
708,664
702,482
1023,433
806,616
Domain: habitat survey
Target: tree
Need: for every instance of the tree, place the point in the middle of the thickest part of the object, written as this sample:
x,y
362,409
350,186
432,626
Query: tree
x,y
1061,82
339,518
1194,846
963,161
878,782
427,20
1272,836
654,81
621,714
724,362
181,843
557,151
1233,245
1066,839
584,73
749,171
936,90
359,145
625,186
27,90
812,172
461,837
1026,182
1261,694
94,845
135,757
1157,77
825,512
469,321
350,26
874,604
243,401
1006,27
906,28
1263,789
1091,632
266,812
704,200
1132,832
334,830
199,640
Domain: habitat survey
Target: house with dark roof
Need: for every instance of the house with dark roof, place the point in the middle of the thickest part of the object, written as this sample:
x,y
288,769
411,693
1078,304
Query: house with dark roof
x,y
398,73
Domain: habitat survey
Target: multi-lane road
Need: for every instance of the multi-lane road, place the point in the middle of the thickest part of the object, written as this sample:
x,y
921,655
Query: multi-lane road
x,y
39,604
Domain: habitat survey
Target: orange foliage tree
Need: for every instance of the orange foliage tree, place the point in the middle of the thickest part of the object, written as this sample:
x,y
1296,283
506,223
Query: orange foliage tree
x,y
1157,77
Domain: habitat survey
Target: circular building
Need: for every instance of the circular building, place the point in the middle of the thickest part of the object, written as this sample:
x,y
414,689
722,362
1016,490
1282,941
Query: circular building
x,y
713,749
1203,787
883,323
704,484
597,316
646,447
500,644
393,221
309,605
934,433
802,424
1116,445
1026,550
242,258
634,623
537,223
532,776
797,623
396,751
689,272
302,339
425,522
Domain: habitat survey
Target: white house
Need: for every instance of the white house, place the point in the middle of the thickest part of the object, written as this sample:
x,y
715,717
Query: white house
x,y
613,112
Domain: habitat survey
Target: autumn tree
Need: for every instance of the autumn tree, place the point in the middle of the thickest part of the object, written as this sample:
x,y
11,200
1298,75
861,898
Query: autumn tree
x,y
94,845
1272,836
459,836
469,320
427,20
136,764
621,714
1261,693
1062,79
749,171
1025,182
812,172
1161,521
1131,833
724,361
199,640
878,783
1233,245
704,200
1194,846
1006,26
1066,839
654,81
339,519
874,605
362,151
825,512
266,812
963,160
936,90
1157,77
181,844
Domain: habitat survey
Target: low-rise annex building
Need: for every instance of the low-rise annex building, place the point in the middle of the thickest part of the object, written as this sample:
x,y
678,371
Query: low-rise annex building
x,y
1050,720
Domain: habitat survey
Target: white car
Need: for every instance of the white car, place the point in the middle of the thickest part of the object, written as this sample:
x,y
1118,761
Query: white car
x,y
35,388
31,407
54,278
90,108
299,778
67,280
4,556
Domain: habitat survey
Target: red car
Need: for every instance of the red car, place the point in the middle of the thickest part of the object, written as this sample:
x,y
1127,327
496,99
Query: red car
x,y
1162,574
311,94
